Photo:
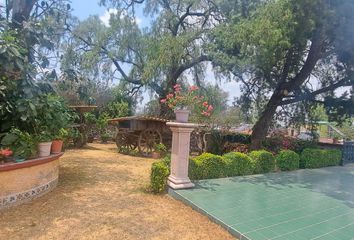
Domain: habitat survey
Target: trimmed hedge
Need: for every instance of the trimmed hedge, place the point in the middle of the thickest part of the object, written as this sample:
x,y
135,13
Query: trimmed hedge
x,y
318,158
207,166
158,178
288,160
238,164
264,161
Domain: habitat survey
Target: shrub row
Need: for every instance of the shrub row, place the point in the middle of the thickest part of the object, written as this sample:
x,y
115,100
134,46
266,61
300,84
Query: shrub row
x,y
317,158
208,166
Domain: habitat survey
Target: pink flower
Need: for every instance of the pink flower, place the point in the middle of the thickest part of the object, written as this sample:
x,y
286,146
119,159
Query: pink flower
x,y
207,114
205,104
210,108
169,96
6,152
177,87
163,100
193,88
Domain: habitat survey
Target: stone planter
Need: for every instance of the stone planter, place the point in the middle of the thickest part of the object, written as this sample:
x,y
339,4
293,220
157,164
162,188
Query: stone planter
x,y
27,180
182,115
44,149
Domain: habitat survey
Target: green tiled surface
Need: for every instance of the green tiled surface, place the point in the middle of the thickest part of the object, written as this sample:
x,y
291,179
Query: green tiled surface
x,y
300,205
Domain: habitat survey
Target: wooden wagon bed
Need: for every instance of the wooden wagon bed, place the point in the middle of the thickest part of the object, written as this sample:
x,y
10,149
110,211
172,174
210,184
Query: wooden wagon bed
x,y
141,132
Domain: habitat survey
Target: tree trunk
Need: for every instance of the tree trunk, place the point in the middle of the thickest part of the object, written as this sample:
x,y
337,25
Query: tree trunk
x,y
260,129
21,10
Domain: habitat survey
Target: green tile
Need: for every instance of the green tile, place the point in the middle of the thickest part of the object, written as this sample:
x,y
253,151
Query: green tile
x,y
300,205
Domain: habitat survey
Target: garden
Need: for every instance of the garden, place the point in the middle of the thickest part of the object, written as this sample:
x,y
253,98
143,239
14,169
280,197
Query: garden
x,y
108,110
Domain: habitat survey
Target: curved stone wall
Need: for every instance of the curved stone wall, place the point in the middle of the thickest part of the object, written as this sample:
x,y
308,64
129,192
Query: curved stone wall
x,y
22,182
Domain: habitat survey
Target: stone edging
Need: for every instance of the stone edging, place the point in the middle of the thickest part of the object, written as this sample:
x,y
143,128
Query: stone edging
x,y
28,195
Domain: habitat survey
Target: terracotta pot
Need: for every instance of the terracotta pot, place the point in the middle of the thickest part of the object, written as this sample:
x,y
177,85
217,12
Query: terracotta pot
x,y
44,149
182,115
57,146
155,155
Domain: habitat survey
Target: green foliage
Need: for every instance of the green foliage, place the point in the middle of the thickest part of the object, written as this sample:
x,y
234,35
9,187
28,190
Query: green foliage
x,y
161,149
238,164
215,142
264,161
207,166
287,160
102,122
318,158
63,134
105,137
238,138
90,118
118,109
21,143
158,178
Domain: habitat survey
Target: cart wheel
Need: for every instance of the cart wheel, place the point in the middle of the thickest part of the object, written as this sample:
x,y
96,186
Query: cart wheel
x,y
147,140
125,142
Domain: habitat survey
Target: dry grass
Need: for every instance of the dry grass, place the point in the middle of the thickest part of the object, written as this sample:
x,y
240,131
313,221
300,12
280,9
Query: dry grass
x,y
101,196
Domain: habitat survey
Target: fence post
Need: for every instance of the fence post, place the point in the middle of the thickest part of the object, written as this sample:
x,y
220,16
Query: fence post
x,y
181,134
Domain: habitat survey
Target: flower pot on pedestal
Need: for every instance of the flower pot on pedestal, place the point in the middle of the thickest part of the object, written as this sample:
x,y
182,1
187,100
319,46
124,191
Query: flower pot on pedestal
x,y
182,115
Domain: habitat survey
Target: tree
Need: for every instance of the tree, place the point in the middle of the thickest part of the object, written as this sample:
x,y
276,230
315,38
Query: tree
x,y
291,53
29,31
156,57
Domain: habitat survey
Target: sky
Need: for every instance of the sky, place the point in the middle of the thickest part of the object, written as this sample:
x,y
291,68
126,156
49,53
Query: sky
x,y
84,8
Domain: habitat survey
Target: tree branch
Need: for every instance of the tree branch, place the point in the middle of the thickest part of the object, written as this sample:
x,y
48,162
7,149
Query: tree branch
x,y
311,96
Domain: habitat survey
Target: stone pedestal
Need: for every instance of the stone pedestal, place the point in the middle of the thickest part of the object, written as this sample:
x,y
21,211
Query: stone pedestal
x,y
181,133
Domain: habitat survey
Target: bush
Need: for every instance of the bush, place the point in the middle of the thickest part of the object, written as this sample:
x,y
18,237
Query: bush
x,y
236,147
288,160
158,178
238,138
300,145
317,158
264,161
238,164
207,166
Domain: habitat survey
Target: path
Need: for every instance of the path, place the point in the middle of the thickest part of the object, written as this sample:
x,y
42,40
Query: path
x,y
101,196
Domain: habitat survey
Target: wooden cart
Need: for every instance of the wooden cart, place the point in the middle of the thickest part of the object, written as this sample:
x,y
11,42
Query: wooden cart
x,y
141,132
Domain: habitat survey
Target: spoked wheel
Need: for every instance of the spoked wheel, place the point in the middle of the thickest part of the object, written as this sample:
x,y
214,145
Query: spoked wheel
x,y
147,140
126,141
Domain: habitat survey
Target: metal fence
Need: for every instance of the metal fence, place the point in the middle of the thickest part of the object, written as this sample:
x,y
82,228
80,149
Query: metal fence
x,y
348,152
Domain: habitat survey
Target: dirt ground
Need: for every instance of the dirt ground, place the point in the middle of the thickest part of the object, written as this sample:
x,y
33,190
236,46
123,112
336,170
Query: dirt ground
x,y
101,195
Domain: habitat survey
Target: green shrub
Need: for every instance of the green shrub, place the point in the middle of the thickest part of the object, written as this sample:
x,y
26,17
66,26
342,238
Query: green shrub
x,y
264,161
288,160
238,164
158,178
207,166
317,158
238,138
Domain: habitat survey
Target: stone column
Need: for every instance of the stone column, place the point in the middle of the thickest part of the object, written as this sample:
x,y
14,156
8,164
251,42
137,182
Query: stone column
x,y
181,133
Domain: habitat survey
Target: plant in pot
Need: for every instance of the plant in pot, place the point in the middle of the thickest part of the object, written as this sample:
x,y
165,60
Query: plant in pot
x,y
160,150
57,143
5,155
22,144
44,140
182,102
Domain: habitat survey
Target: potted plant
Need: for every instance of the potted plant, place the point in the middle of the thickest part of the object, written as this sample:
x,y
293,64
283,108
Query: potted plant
x,y
44,140
22,144
57,143
183,102
5,155
160,150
